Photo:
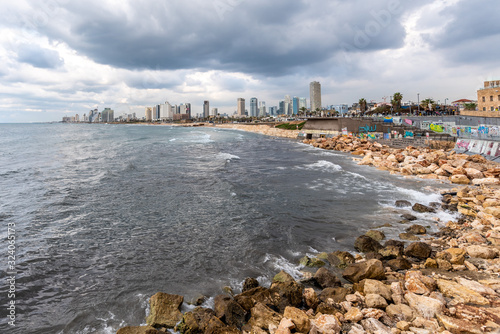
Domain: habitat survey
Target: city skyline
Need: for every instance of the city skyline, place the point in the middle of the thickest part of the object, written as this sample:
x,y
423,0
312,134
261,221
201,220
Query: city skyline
x,y
57,62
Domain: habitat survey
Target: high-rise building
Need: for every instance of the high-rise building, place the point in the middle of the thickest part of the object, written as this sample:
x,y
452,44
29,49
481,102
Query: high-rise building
x,y
302,103
206,109
241,106
295,105
315,95
107,115
281,109
254,107
288,105
214,112
262,109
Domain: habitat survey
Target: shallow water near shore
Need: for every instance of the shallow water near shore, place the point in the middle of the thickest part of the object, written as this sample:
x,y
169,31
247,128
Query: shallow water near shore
x,y
108,215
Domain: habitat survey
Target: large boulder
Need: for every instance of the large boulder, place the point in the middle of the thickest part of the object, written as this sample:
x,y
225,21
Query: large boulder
x,y
372,269
459,179
311,298
249,298
286,294
203,320
229,311
283,277
399,263
299,318
402,203
366,244
307,261
460,293
481,252
262,317
375,235
425,306
417,229
419,250
326,279
336,294
422,208
165,310
325,324
371,286
340,259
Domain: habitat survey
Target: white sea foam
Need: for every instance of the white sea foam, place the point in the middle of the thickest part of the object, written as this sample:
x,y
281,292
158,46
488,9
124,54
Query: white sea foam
x,y
280,263
173,139
322,165
227,156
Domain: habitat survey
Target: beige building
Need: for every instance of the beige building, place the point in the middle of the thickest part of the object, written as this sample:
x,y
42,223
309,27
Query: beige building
x,y
488,99
241,107
149,114
315,95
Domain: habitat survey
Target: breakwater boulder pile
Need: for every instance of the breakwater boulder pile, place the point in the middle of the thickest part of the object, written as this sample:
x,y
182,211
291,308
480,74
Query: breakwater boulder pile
x,y
421,283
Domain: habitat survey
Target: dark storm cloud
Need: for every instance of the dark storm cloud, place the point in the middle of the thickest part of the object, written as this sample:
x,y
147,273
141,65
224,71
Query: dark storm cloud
x,y
473,33
39,57
258,37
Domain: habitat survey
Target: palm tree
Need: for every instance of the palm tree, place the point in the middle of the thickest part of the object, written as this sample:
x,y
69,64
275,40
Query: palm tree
x,y
396,100
303,110
362,105
428,104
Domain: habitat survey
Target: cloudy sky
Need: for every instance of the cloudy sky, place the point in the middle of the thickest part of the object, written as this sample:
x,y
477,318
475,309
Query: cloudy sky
x,y
62,57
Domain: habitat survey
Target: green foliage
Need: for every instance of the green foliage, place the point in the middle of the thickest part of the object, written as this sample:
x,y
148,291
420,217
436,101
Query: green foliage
x,y
288,126
470,106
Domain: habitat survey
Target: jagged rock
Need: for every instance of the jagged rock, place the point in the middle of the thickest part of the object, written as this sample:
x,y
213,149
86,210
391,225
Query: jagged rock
x,y
229,311
164,310
458,325
473,173
372,325
391,252
408,217
356,329
396,243
310,298
481,252
375,235
337,294
397,292
461,293
299,318
476,286
417,229
375,301
283,277
373,255
401,312
419,250
402,203
285,327
372,269
249,298
444,265
459,179
137,330
199,320
353,315
366,244
430,263
399,263
425,306
457,255
422,208
325,324
408,236
326,279
250,283
262,316
286,294
419,284
488,180
340,259
307,261
371,286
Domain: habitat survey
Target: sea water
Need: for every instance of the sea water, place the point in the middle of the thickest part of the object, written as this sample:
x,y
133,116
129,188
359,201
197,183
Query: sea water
x,y
107,215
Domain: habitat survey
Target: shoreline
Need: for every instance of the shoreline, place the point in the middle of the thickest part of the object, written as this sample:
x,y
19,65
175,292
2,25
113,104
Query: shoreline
x,y
442,283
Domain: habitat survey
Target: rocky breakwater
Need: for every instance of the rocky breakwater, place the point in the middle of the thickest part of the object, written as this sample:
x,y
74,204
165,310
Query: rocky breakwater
x,y
445,283
264,129
425,163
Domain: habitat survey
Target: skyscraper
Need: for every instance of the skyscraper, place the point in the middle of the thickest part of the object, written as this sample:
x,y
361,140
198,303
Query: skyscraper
x,y
241,106
254,107
295,106
302,103
315,95
262,108
206,109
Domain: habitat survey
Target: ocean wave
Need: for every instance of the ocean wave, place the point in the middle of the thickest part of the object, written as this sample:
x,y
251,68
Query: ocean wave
x,y
279,263
322,165
227,156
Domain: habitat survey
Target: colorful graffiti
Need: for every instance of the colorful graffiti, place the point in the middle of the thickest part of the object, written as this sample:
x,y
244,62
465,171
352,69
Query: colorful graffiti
x,y
366,129
436,127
